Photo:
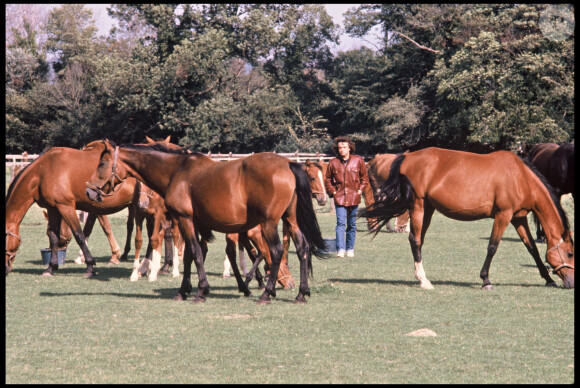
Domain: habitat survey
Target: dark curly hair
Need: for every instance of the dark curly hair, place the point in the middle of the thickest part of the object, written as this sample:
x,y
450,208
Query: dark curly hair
x,y
343,139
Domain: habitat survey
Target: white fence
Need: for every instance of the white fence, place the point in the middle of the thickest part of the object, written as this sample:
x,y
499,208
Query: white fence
x,y
15,162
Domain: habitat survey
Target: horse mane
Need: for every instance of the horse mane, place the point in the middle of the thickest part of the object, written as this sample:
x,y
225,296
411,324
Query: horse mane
x,y
160,148
17,177
551,191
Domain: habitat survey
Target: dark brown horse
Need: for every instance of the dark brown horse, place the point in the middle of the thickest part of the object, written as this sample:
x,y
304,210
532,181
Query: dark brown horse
x,y
228,197
56,181
556,163
378,169
466,186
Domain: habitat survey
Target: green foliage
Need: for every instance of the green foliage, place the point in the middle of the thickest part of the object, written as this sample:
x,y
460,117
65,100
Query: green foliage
x,y
256,77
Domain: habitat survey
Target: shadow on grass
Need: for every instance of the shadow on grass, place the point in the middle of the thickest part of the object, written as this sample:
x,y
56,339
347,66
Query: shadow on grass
x,y
434,282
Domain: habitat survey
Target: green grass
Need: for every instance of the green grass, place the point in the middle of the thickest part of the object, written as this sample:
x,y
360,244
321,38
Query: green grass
x,y
352,330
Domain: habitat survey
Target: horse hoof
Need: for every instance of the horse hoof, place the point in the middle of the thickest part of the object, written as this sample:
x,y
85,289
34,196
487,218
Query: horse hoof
x,y
114,262
178,297
164,272
289,287
47,274
299,301
198,299
89,274
552,284
487,287
264,301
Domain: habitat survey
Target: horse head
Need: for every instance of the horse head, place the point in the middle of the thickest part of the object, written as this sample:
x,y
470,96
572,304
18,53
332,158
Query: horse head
x,y
561,258
12,243
314,171
109,177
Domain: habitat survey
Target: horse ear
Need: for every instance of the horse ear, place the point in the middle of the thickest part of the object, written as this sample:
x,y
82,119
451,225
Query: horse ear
x,y
149,140
45,214
168,139
307,163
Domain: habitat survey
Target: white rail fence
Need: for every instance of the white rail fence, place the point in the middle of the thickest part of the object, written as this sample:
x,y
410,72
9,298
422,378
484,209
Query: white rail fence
x,y
16,162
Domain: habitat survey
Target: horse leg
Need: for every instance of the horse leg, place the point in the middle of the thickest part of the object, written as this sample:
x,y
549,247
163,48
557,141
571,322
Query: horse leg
x,y
270,234
304,255
87,230
69,214
255,258
187,233
154,246
194,252
500,223
420,220
286,279
130,225
106,226
139,217
523,229
53,232
177,248
242,260
168,239
231,242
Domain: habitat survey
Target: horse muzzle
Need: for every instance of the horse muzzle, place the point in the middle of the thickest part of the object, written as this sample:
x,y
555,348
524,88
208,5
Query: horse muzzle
x,y
93,195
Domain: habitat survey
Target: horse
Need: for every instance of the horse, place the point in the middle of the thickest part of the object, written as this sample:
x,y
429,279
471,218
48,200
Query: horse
x,y
227,197
56,181
378,170
315,172
466,186
556,163
150,207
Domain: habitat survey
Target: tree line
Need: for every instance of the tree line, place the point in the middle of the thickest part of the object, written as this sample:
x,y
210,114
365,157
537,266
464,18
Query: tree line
x,y
261,77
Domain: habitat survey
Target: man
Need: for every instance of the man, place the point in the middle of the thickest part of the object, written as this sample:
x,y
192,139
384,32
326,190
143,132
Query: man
x,y
346,179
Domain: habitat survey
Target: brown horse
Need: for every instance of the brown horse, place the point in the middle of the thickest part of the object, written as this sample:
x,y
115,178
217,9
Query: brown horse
x,y
56,181
378,169
228,197
466,186
315,172
150,207
556,163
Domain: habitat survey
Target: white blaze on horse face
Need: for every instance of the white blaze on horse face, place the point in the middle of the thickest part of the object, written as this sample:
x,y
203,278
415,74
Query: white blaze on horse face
x,y
322,185
155,265
420,275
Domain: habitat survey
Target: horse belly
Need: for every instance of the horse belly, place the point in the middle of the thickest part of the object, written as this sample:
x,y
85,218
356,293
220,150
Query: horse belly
x,y
464,209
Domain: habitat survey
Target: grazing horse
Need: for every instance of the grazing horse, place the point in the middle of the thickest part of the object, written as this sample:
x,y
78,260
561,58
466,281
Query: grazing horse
x,y
466,186
56,181
227,197
378,169
556,163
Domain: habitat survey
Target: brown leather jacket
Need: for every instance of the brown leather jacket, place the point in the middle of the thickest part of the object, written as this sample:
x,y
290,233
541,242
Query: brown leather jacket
x,y
344,181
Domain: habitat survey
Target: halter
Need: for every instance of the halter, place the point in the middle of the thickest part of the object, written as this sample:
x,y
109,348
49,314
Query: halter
x,y
557,246
111,180
11,255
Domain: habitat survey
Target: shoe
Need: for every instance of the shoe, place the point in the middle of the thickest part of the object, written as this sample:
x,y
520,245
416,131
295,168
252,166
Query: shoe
x,y
340,254
350,253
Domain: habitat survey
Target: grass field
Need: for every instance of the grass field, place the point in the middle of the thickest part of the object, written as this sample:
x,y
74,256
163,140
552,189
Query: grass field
x,y
352,330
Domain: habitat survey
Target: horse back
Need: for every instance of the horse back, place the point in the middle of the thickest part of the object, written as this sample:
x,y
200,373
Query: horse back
x,y
61,175
465,185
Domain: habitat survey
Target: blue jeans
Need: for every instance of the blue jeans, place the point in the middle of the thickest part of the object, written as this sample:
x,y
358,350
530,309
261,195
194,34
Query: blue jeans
x,y
345,223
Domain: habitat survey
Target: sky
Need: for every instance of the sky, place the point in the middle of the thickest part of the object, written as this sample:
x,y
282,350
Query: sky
x,y
334,10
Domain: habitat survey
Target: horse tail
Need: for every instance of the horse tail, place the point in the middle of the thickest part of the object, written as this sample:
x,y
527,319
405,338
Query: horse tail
x,y
396,197
305,215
